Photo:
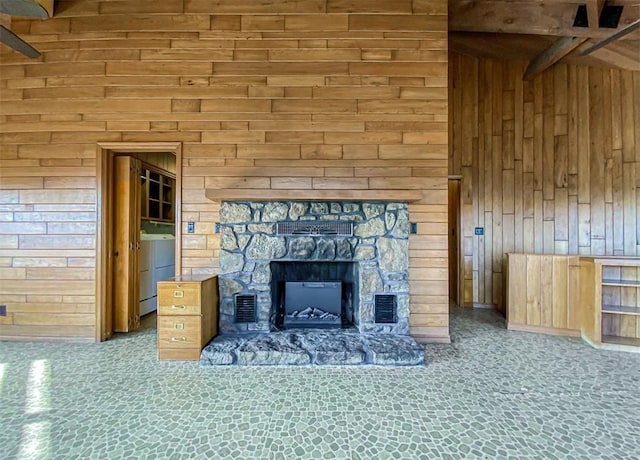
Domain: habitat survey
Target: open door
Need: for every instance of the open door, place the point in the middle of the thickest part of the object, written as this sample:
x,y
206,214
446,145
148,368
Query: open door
x,y
454,241
126,232
118,230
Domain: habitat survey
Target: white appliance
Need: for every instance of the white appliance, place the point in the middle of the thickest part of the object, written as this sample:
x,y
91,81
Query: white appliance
x,y
155,263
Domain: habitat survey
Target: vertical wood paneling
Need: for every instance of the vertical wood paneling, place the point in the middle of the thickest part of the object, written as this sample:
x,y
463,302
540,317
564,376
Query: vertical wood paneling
x,y
576,131
323,96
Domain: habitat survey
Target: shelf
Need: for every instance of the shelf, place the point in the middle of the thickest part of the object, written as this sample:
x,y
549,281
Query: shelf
x,y
621,310
615,340
246,194
621,283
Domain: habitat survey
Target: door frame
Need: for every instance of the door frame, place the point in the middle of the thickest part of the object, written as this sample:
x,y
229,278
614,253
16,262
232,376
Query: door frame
x,y
106,151
460,259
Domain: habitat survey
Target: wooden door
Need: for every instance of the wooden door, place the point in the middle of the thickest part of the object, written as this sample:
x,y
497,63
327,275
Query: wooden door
x,y
591,300
126,233
454,241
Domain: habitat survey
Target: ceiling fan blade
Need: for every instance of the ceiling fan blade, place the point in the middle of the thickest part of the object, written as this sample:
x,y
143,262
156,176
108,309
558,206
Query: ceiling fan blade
x,y
29,8
614,36
13,41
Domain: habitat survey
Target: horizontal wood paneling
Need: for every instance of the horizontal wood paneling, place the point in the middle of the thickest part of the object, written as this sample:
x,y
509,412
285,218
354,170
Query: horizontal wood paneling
x,y
548,166
303,94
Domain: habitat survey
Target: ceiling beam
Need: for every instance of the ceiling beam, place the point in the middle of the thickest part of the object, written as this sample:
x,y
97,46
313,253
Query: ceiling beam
x,y
559,49
42,9
594,8
618,34
527,17
13,41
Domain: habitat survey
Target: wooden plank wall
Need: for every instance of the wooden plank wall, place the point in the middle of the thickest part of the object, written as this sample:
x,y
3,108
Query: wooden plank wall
x,y
310,94
549,166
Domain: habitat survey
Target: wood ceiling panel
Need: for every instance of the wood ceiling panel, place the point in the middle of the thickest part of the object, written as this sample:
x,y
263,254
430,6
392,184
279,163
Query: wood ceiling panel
x,y
528,17
525,30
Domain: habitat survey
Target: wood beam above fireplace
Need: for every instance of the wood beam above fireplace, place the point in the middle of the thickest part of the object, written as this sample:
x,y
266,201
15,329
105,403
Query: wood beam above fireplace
x,y
251,194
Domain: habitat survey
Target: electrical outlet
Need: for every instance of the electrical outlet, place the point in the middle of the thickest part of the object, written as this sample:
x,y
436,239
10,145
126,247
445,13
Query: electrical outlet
x,y
191,226
3,310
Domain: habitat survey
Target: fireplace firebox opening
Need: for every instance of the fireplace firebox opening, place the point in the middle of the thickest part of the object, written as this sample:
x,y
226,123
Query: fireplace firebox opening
x,y
313,294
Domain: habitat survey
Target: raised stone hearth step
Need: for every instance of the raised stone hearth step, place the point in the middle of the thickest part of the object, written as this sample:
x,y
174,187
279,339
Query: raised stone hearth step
x,y
312,347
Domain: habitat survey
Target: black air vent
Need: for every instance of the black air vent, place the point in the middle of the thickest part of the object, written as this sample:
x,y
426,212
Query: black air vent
x,y
245,309
385,308
315,228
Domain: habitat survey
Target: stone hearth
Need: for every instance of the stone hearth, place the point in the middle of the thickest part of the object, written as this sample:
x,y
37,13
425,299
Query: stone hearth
x,y
312,347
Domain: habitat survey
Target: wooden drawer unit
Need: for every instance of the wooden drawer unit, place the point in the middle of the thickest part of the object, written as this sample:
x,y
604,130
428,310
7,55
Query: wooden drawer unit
x,y
179,299
187,316
179,331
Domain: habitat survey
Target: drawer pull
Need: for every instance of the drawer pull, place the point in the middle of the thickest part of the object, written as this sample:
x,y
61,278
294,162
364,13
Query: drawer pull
x,y
178,339
178,307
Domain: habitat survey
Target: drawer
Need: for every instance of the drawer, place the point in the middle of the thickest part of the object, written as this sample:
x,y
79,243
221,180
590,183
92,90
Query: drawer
x,y
179,332
174,300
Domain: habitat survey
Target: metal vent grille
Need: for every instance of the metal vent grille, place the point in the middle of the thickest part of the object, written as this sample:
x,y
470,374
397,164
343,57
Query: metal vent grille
x,y
245,308
315,228
385,308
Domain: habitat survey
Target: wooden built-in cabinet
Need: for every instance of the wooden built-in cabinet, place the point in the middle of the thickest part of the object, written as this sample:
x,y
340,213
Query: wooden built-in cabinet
x,y
187,316
157,195
597,298
610,297
540,293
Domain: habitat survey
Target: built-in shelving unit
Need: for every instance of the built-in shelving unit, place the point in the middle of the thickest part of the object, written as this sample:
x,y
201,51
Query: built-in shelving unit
x,y
157,195
610,293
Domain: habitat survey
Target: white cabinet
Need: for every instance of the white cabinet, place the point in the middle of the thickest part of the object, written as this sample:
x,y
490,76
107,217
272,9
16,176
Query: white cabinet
x,y
157,263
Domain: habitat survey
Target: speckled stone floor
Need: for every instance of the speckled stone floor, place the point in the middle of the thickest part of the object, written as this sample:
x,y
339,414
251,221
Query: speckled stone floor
x,y
490,394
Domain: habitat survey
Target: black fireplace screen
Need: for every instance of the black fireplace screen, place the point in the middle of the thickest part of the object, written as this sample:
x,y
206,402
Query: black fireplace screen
x,y
313,304
313,294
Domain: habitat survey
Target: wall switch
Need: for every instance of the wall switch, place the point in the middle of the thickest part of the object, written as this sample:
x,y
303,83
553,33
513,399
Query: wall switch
x,y
413,227
191,227
3,310
479,230
216,227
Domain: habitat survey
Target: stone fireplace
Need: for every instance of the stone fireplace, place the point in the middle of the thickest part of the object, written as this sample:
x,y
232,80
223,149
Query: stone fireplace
x,y
275,253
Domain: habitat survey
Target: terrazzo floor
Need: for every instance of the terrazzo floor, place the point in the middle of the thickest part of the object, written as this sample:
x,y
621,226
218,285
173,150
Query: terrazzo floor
x,y
492,393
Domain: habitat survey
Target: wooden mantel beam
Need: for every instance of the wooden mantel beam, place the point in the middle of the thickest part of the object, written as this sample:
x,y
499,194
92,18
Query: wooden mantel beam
x,y
243,194
559,49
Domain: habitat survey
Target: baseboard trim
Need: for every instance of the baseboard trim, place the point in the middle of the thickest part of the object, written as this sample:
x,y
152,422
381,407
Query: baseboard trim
x,y
423,339
480,306
543,330
40,338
